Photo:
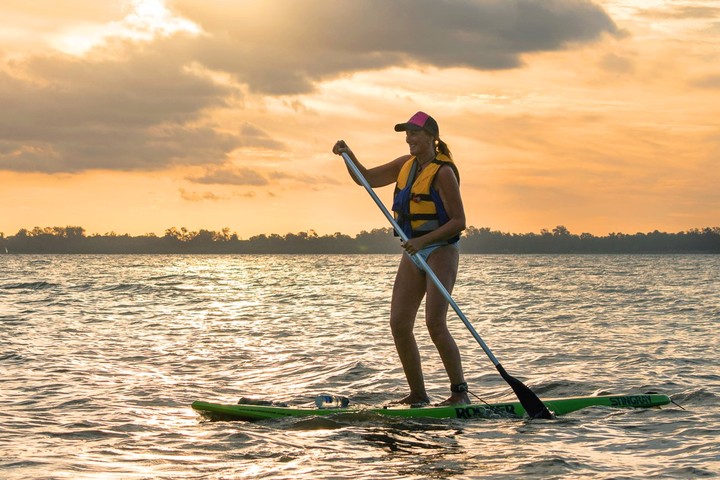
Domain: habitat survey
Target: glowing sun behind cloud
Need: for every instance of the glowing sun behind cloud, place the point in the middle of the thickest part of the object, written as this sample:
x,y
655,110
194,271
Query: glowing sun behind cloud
x,y
143,20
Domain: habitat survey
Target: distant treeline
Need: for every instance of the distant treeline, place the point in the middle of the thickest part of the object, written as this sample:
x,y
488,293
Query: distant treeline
x,y
476,240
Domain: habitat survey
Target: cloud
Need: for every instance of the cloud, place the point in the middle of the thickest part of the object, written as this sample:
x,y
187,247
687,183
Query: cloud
x,y
146,105
199,196
141,109
286,47
682,12
305,179
231,176
617,64
69,25
253,136
709,81
212,197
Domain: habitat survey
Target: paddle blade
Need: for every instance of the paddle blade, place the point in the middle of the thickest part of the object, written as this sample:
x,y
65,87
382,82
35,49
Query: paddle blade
x,y
534,407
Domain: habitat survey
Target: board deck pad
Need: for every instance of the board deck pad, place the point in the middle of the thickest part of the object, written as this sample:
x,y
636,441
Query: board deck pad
x,y
559,406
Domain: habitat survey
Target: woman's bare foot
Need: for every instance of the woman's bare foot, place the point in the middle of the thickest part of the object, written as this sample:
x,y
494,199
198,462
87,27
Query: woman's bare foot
x,y
413,400
456,398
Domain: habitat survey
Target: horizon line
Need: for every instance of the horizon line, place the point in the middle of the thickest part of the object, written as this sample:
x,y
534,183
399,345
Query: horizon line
x,y
312,233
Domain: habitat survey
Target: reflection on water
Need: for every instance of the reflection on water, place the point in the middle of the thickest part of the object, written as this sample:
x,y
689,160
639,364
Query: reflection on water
x,y
101,357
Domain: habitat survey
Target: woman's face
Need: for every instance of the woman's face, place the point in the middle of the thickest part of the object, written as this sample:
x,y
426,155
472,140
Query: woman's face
x,y
421,142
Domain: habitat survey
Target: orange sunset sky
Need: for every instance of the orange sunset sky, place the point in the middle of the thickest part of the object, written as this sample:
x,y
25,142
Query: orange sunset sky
x,y
134,116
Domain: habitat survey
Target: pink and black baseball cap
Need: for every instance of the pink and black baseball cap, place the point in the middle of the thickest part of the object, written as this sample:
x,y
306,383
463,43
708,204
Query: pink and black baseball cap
x,y
420,121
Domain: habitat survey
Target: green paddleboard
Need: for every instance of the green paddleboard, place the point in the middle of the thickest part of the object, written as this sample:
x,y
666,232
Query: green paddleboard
x,y
559,406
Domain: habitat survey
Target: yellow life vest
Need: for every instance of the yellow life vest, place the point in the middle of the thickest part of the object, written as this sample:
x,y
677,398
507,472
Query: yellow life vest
x,y
417,205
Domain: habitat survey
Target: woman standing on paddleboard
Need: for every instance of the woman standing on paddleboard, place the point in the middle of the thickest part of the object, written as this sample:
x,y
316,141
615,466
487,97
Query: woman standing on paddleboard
x,y
429,209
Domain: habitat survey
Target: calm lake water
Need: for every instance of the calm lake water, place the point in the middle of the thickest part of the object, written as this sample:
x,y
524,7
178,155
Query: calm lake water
x,y
101,357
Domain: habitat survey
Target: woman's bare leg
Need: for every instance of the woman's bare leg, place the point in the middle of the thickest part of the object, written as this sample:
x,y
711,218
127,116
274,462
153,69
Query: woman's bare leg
x,y
408,292
444,262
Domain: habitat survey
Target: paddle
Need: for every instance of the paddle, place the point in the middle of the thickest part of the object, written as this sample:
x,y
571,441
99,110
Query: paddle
x,y
532,404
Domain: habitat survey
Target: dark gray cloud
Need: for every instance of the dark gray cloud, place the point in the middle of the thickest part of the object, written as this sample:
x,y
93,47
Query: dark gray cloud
x,y
138,110
285,47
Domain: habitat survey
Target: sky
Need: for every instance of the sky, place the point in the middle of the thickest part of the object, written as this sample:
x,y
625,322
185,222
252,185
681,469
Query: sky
x,y
134,116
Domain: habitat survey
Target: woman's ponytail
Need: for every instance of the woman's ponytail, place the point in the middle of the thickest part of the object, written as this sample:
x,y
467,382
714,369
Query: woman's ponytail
x,y
443,148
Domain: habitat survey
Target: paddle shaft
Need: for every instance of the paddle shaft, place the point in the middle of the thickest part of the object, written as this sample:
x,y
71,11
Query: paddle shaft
x,y
420,260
